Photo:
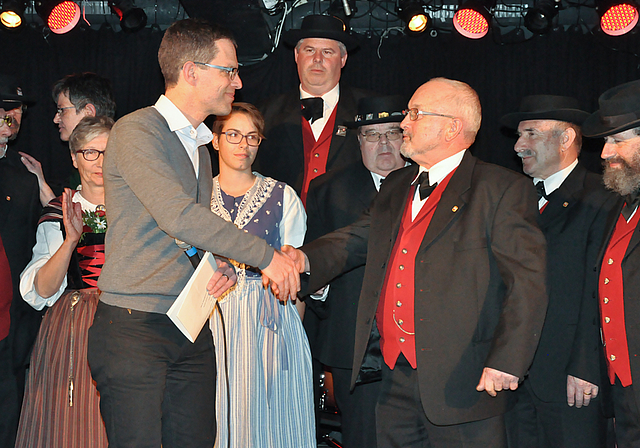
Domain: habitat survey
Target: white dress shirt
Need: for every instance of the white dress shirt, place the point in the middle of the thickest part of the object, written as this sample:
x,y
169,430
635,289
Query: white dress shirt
x,y
553,182
190,137
437,173
330,100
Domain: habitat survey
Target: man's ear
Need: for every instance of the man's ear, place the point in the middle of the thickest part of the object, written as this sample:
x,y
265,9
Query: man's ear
x,y
90,110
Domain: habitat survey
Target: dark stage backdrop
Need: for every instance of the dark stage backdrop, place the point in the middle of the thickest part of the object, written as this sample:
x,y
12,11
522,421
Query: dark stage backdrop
x,y
558,63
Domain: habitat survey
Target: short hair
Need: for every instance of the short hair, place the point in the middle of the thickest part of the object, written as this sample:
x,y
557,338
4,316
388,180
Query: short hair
x,y
636,130
341,46
87,129
562,126
241,108
189,40
466,102
87,88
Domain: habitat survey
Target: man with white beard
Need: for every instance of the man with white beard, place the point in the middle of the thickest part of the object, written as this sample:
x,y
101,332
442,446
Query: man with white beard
x,y
618,121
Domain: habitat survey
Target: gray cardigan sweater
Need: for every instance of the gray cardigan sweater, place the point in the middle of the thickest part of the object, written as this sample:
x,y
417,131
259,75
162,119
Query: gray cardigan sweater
x,y
152,196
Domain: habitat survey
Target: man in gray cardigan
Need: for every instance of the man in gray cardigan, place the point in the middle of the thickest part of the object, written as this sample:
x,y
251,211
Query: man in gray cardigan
x,y
156,387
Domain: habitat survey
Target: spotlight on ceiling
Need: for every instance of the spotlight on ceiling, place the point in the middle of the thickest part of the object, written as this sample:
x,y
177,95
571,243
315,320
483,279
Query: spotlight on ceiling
x,y
617,17
413,13
472,19
12,14
539,19
61,16
132,18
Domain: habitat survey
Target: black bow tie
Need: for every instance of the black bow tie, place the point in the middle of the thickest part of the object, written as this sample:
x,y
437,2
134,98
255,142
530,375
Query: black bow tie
x,y
425,189
632,200
542,193
312,108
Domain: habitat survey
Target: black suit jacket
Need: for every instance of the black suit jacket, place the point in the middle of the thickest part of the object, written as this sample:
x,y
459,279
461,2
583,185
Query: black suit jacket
x,y
281,154
19,213
336,199
480,296
573,223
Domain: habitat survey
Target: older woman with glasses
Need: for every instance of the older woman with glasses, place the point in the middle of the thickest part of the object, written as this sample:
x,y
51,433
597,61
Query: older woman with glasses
x,y
61,404
264,389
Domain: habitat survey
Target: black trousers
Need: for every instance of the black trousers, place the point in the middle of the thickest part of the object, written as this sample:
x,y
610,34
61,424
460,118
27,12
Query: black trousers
x,y
11,392
357,409
533,423
156,388
627,416
402,422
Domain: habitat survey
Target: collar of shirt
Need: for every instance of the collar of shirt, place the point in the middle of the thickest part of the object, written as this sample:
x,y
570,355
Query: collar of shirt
x,y
330,100
436,174
190,137
553,182
3,151
377,180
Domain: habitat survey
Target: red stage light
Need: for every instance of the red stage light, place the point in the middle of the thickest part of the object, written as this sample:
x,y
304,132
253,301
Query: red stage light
x,y
471,23
619,19
64,17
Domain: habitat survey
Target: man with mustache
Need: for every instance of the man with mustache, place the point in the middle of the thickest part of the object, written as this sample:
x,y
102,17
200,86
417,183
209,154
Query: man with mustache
x,y
558,403
305,127
618,268
453,298
19,213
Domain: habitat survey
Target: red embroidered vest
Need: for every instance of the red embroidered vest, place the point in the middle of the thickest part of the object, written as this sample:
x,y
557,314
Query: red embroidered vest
x,y
611,299
316,153
395,313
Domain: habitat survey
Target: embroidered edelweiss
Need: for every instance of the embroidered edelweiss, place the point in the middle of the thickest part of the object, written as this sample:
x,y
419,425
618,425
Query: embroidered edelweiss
x,y
267,232
268,212
256,220
279,204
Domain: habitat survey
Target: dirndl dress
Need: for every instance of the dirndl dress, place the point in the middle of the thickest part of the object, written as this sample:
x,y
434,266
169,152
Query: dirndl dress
x,y
61,406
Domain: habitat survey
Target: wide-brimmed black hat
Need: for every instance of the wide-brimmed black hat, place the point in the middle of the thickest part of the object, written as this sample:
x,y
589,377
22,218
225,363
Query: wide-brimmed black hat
x,y
546,107
619,111
378,109
11,95
324,27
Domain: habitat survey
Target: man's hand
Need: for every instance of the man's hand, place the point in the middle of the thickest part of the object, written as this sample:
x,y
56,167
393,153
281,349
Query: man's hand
x,y
493,381
283,276
298,257
221,280
580,392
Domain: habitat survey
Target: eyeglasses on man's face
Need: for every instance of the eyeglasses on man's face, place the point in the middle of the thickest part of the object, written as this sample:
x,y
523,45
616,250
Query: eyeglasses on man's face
x,y
374,136
231,71
7,120
90,155
60,110
235,137
415,113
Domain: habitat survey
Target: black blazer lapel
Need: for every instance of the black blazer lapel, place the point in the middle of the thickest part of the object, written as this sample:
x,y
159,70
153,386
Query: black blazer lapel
x,y
397,200
564,198
346,107
453,200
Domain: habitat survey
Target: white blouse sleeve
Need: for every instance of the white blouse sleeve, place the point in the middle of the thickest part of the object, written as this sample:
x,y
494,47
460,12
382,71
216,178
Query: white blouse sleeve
x,y
48,241
294,219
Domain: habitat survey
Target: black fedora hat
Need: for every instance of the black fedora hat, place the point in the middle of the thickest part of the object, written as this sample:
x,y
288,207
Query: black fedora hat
x,y
11,95
322,26
546,107
378,109
619,111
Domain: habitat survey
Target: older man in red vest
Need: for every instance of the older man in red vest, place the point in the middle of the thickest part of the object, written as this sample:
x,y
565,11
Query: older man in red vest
x,y
453,298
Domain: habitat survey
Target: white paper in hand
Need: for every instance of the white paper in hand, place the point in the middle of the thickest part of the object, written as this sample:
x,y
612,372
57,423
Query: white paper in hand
x,y
194,305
